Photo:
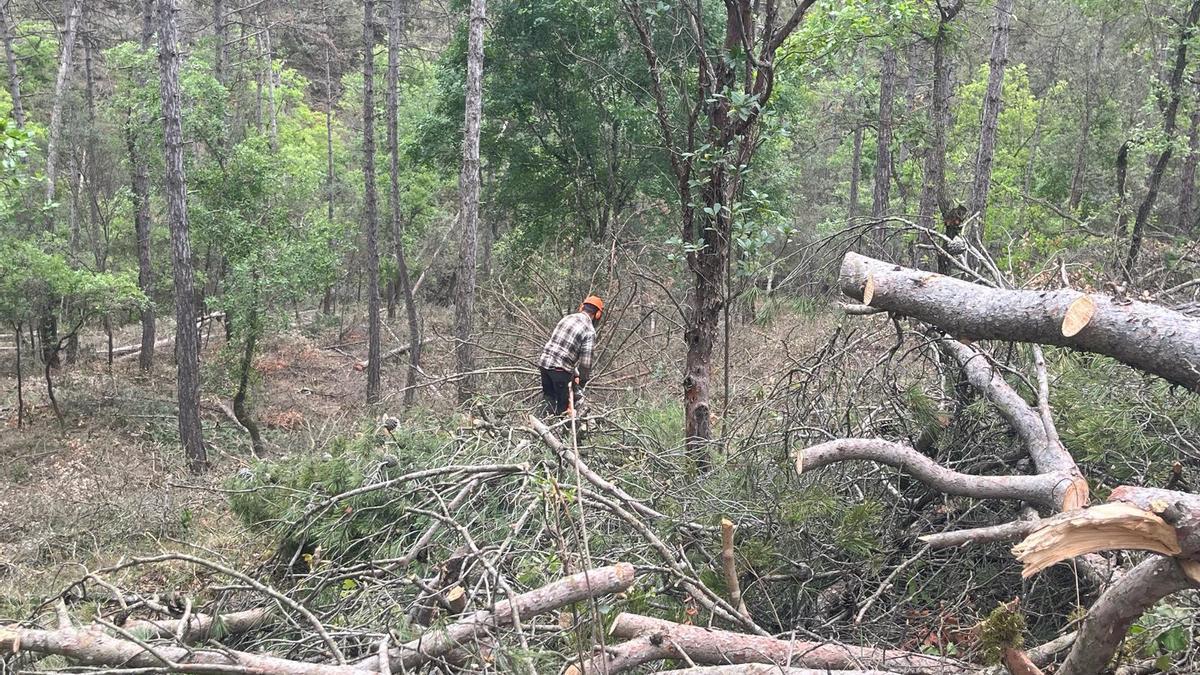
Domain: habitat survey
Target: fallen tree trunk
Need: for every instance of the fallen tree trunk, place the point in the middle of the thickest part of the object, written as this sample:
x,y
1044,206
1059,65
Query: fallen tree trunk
x,y
649,639
575,588
1146,336
200,627
393,353
765,669
94,647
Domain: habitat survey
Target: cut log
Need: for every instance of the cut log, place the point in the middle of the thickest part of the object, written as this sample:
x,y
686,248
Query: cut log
x,y
649,639
200,627
1038,489
439,641
1151,338
1100,528
765,669
94,647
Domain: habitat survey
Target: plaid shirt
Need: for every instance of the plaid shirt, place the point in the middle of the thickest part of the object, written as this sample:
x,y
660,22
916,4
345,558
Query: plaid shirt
x,y
570,344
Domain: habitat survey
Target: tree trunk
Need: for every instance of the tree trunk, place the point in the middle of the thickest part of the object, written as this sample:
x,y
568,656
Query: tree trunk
x,y
1170,117
990,118
70,29
327,301
395,34
1187,179
186,344
855,172
14,78
883,152
1085,124
1151,338
468,188
141,205
370,209
1103,630
20,382
272,106
240,411
219,39
933,188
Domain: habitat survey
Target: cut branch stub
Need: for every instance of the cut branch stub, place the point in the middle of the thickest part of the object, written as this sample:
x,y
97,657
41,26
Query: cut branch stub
x,y
868,290
1100,528
1079,315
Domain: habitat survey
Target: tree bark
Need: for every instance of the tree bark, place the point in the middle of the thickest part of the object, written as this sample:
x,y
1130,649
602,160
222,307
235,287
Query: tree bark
x,y
651,639
219,49
883,151
370,210
855,172
396,32
250,331
1170,118
1109,619
135,121
14,78
1146,336
187,352
990,117
70,29
933,188
468,188
1187,178
1085,124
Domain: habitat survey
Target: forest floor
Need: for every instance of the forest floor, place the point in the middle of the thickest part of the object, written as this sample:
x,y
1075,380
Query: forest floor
x,y
110,481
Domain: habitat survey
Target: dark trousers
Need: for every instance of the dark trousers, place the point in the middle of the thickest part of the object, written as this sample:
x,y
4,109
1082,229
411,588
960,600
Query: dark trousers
x,y
556,390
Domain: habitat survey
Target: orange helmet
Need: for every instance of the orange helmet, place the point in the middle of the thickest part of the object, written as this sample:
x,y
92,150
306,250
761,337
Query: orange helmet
x,y
594,301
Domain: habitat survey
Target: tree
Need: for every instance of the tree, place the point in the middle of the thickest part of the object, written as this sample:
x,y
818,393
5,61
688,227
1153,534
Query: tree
x,y
187,347
883,152
468,187
136,122
370,209
14,79
1168,103
395,33
933,187
710,137
990,116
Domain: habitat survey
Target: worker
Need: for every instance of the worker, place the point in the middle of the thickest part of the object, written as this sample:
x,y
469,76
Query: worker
x,y
567,357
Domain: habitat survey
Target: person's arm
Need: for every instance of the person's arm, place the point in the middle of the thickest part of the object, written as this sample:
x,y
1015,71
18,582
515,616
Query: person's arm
x,y
584,365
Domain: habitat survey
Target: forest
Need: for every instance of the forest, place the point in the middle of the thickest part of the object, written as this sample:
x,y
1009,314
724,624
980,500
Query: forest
x,y
586,337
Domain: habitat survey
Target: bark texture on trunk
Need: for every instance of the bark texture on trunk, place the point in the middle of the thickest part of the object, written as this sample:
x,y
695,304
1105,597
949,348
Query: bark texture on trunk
x,y
855,172
14,77
1085,124
990,116
370,203
1146,336
1109,619
219,39
54,133
1187,178
883,143
933,186
1170,109
468,188
395,34
135,121
650,639
187,347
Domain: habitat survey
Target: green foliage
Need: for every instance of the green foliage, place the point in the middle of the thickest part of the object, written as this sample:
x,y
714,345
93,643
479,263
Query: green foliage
x,y
853,528
31,276
1130,429
276,496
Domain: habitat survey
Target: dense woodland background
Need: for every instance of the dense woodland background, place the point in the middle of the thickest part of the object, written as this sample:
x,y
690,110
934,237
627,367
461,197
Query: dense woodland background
x,y
245,269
